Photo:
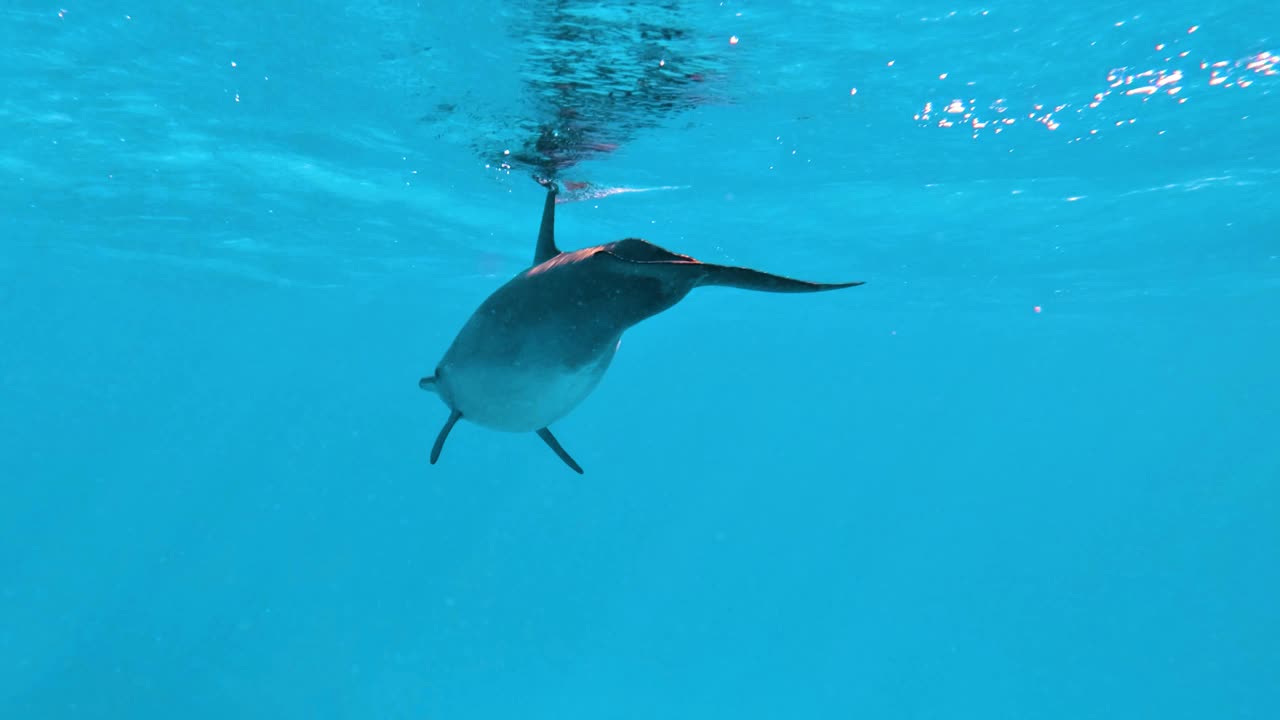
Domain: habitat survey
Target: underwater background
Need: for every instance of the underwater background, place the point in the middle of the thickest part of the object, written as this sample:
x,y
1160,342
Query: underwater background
x,y
1029,470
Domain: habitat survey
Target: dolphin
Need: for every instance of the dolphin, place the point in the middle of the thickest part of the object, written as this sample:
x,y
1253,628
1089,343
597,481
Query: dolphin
x,y
539,345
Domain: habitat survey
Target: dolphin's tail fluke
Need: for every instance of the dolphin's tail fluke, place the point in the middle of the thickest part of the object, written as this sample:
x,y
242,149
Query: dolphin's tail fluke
x,y
748,279
640,257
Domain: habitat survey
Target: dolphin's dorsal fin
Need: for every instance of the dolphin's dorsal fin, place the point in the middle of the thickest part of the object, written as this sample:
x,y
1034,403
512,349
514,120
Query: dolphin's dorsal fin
x,y
547,233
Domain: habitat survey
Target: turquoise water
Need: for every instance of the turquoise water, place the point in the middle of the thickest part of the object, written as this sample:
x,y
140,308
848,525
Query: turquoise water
x,y
1029,470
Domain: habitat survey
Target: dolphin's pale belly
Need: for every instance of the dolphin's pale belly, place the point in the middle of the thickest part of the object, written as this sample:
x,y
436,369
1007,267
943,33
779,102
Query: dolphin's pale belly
x,y
531,353
519,396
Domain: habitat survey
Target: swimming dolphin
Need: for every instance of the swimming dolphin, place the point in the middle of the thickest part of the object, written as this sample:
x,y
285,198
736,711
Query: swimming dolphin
x,y
541,343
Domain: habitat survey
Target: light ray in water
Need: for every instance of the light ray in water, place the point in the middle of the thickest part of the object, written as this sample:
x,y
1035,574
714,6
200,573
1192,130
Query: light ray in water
x,y
579,191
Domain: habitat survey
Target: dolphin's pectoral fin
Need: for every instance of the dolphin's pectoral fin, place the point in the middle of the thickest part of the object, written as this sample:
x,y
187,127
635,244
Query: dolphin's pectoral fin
x,y
554,444
546,248
444,434
428,383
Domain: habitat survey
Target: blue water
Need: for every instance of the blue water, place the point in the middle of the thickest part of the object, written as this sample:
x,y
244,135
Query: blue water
x,y
1029,470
